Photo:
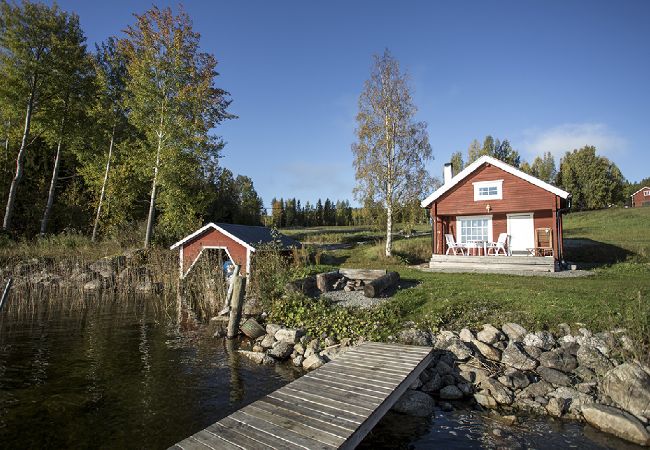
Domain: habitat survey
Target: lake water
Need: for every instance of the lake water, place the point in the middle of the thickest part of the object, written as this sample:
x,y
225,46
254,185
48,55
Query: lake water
x,y
106,373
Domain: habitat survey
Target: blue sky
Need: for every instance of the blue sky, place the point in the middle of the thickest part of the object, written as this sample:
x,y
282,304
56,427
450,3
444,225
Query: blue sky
x,y
548,76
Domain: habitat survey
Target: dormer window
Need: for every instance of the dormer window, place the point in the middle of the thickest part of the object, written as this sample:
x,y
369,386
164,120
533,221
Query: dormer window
x,y
488,190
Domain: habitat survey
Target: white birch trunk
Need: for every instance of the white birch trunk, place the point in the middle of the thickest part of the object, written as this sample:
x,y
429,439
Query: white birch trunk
x,y
103,191
53,182
20,159
154,187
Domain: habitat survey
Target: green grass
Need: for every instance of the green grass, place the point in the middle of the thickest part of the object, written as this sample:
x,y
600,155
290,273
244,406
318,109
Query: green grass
x,y
608,235
616,295
347,234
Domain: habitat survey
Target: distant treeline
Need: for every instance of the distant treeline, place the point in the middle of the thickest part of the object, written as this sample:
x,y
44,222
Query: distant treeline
x,y
115,140
293,213
594,181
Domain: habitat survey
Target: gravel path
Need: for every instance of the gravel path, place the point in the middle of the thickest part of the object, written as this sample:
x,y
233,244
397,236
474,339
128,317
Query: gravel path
x,y
356,298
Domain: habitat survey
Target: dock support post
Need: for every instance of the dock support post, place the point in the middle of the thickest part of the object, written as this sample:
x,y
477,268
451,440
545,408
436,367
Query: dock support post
x,y
236,303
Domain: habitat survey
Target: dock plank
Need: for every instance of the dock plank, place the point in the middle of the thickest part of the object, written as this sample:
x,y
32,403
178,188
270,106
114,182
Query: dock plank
x,y
334,406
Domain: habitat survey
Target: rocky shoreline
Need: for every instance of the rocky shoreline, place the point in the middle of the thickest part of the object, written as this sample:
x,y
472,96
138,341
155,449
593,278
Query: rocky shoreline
x,y
128,272
569,375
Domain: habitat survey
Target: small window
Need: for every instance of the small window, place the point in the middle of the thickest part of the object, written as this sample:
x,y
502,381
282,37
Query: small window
x,y
488,190
646,193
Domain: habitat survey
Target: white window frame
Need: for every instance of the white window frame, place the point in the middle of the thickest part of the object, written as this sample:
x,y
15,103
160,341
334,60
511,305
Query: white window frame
x,y
490,237
646,193
488,184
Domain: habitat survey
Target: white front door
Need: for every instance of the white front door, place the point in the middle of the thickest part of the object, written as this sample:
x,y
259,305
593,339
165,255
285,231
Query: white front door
x,y
521,230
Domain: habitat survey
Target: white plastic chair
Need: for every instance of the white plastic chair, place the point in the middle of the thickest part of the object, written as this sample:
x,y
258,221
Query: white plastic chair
x,y
453,246
499,245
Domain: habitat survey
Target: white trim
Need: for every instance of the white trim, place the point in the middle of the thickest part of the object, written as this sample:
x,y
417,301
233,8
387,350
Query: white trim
x,y
485,159
490,226
483,184
216,227
208,247
644,187
248,261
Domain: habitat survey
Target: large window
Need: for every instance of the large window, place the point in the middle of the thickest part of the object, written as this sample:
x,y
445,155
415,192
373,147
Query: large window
x,y
488,190
474,228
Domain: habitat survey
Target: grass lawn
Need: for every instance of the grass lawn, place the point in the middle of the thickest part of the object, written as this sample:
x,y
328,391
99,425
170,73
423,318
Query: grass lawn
x,y
617,295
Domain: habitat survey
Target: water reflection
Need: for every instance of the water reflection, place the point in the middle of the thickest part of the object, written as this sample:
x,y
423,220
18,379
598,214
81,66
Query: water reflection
x,y
117,373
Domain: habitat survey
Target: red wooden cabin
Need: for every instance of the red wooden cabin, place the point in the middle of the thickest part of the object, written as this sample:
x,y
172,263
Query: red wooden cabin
x,y
490,197
641,197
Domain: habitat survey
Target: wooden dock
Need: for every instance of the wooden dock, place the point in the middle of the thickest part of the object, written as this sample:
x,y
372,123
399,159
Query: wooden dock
x,y
493,263
332,407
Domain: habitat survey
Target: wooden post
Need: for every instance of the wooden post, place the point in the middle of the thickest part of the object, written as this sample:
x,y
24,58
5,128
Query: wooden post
x,y
325,280
238,293
235,274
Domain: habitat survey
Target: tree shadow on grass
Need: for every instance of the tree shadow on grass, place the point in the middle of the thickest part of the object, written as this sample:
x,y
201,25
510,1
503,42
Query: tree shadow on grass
x,y
586,250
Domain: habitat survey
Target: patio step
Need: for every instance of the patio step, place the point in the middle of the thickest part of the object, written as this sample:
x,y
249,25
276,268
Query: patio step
x,y
494,263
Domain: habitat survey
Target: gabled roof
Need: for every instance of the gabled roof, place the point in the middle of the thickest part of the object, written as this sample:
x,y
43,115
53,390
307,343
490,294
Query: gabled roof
x,y
644,187
485,159
248,236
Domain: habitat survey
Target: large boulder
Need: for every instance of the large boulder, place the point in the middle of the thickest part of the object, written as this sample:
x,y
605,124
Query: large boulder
x,y
514,331
558,359
554,376
514,357
415,403
498,391
593,359
489,334
313,362
290,335
452,343
629,386
451,393
281,350
414,337
487,350
616,422
541,339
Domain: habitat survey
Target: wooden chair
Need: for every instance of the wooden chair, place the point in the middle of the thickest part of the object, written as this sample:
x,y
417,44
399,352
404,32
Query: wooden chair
x,y
543,242
453,246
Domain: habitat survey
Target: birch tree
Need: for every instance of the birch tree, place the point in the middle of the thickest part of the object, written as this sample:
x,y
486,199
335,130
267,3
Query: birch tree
x,y
30,38
391,147
68,96
174,104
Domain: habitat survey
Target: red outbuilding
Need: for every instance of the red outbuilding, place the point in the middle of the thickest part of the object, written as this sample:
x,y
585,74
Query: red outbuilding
x,y
238,241
641,197
490,199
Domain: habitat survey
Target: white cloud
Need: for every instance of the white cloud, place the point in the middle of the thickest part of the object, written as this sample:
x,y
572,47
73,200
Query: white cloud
x,y
566,137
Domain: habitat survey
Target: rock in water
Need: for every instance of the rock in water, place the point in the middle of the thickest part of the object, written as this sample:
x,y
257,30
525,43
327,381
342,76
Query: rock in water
x,y
415,403
512,356
514,331
281,350
259,358
498,391
557,406
313,362
616,422
451,393
629,386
